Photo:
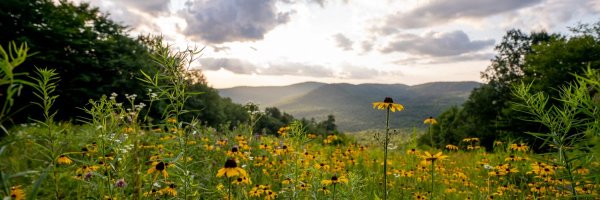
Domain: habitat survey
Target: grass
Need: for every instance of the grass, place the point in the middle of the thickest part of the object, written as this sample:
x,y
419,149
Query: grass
x,y
295,166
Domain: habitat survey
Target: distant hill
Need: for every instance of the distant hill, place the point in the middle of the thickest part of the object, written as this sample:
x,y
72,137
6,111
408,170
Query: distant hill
x,y
351,104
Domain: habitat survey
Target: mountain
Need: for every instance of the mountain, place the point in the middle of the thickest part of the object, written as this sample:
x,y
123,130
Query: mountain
x,y
352,104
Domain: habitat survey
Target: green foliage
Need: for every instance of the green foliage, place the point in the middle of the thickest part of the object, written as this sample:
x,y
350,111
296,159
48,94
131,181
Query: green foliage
x,y
94,55
572,124
11,82
548,61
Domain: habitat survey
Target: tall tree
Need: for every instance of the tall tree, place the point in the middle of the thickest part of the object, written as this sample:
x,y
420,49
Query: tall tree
x,y
93,55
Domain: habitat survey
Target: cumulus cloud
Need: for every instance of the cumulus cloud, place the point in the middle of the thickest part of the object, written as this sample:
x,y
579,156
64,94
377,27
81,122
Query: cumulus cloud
x,y
343,42
442,11
219,21
437,44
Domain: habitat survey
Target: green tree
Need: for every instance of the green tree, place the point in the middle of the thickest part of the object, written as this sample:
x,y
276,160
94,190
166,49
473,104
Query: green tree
x,y
93,55
550,61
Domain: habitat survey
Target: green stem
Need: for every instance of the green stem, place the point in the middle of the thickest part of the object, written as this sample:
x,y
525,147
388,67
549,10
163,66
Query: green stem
x,y
432,176
385,152
431,137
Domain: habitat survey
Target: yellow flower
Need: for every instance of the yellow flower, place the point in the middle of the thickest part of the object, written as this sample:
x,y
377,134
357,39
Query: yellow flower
x,y
304,186
64,160
432,158
152,192
519,147
451,147
430,120
231,169
324,190
335,180
159,168
255,192
17,193
388,103
171,120
242,180
170,190
270,195
412,151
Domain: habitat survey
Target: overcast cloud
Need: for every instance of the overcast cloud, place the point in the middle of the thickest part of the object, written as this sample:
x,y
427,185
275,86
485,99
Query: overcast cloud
x,y
219,21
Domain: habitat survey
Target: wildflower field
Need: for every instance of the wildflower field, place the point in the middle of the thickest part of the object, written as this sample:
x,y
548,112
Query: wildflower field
x,y
115,159
116,152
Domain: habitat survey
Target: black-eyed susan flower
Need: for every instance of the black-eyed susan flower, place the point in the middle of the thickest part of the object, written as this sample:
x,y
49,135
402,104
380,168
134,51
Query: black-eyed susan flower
x,y
159,168
334,180
432,158
17,193
151,193
64,160
255,192
171,120
270,195
324,190
242,180
231,169
430,120
169,190
452,147
412,151
519,147
304,186
388,103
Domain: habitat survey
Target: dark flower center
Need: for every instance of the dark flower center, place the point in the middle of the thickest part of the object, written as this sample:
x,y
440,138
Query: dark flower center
x,y
160,166
230,163
388,100
234,149
239,179
334,178
284,147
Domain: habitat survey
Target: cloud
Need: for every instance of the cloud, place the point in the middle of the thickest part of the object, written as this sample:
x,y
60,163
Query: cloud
x,y
367,46
552,14
219,21
239,66
355,72
446,59
297,69
231,64
343,42
442,11
148,6
437,44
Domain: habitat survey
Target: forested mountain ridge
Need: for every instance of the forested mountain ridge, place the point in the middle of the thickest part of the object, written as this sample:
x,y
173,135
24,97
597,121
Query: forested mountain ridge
x,y
351,104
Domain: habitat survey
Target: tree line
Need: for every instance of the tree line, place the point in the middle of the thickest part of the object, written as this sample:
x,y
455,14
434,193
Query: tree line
x,y
547,61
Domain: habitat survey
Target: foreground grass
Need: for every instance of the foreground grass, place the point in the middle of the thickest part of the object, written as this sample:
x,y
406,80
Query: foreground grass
x,y
134,162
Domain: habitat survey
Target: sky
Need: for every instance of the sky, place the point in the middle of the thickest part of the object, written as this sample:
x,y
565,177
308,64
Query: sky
x,y
282,42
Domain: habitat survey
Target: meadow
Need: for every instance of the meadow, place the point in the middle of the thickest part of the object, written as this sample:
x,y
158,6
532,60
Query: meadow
x,y
117,152
182,160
